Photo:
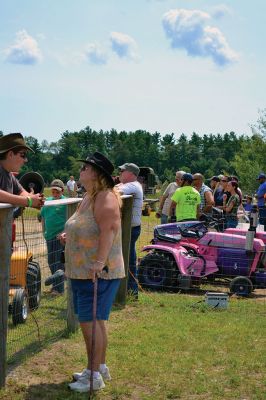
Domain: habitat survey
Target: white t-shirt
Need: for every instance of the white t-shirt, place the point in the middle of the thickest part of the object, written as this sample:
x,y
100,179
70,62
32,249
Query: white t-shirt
x,y
71,185
169,191
135,189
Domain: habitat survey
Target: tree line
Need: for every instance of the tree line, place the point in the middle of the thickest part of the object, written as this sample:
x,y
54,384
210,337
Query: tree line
x,y
211,154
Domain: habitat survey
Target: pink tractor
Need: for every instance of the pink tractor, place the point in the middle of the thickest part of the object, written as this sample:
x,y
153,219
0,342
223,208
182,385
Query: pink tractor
x,y
184,255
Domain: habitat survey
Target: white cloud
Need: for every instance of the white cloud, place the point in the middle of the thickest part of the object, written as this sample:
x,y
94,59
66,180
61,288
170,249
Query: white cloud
x,y
123,45
220,11
188,29
95,54
25,50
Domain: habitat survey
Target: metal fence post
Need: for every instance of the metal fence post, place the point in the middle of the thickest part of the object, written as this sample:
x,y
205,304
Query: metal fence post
x,y
126,236
5,256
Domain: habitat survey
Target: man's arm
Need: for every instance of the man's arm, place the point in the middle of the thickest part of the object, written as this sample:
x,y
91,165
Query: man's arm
x,y
21,199
14,199
172,209
198,211
209,202
163,198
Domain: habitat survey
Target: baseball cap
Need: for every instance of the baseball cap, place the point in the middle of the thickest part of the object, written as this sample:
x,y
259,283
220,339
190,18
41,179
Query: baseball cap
x,y
187,177
261,175
57,184
130,167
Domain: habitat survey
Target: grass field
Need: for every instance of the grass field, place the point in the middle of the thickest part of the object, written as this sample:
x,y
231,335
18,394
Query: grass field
x,y
166,346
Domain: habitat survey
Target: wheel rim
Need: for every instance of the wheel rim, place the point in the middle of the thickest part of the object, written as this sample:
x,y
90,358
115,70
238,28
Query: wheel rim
x,y
242,288
155,274
24,309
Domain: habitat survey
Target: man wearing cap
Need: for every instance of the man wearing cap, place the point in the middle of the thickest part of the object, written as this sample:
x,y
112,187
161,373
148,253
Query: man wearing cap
x,y
53,220
185,200
261,200
130,186
13,155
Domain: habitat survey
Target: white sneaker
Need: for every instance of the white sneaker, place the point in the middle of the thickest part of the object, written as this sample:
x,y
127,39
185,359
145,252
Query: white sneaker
x,y
83,384
105,374
86,374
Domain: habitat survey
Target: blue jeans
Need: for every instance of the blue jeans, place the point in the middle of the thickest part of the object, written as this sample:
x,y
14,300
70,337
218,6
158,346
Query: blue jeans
x,y
55,249
164,219
131,283
262,216
231,222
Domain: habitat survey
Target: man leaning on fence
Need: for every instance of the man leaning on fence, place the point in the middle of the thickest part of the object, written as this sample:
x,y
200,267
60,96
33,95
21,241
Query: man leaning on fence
x,y
129,185
13,155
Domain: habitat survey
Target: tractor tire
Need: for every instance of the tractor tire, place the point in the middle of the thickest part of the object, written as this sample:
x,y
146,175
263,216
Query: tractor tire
x,y
20,307
241,286
34,285
157,272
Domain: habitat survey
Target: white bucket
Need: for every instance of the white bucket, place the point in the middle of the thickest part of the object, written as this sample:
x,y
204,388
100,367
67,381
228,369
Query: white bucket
x,y
216,300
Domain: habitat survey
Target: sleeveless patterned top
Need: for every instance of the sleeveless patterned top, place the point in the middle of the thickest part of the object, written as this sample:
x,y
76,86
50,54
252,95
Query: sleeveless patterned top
x,y
82,233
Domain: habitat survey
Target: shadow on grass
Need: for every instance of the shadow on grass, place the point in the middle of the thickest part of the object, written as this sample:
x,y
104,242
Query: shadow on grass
x,y
34,347
53,391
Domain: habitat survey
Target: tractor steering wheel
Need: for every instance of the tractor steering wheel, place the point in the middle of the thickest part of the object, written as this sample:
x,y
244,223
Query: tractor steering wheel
x,y
184,230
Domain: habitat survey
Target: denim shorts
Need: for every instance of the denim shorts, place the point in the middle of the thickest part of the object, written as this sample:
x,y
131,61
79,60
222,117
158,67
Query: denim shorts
x,y
82,290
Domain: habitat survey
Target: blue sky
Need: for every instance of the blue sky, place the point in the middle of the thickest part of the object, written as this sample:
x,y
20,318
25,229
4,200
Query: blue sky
x,y
159,65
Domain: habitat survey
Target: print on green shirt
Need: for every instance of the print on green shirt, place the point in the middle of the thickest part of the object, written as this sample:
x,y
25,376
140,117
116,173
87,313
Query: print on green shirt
x,y
187,198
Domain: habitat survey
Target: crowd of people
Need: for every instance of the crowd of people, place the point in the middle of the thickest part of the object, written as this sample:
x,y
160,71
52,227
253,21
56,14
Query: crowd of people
x,y
92,237
189,197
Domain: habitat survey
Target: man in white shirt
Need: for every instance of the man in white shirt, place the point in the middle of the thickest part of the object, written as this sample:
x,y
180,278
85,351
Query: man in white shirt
x,y
129,185
165,201
71,187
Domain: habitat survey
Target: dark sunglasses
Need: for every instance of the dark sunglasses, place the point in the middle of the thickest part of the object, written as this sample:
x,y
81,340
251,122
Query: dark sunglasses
x,y
84,167
22,154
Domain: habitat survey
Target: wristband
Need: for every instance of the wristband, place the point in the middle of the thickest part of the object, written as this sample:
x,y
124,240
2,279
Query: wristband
x,y
29,201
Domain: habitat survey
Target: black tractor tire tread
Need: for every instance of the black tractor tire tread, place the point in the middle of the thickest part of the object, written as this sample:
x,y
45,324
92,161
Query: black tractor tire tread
x,y
166,264
235,286
34,284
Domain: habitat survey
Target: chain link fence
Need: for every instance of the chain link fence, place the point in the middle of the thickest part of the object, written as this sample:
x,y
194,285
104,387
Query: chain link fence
x,y
36,313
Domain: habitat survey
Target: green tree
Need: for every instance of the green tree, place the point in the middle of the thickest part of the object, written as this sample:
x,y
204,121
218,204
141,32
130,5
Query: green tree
x,y
249,161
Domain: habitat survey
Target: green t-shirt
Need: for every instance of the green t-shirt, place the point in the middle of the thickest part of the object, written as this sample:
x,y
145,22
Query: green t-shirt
x,y
187,199
54,219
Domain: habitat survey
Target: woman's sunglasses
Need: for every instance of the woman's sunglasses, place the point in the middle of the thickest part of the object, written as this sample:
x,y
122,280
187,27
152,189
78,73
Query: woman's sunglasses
x,y
84,167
